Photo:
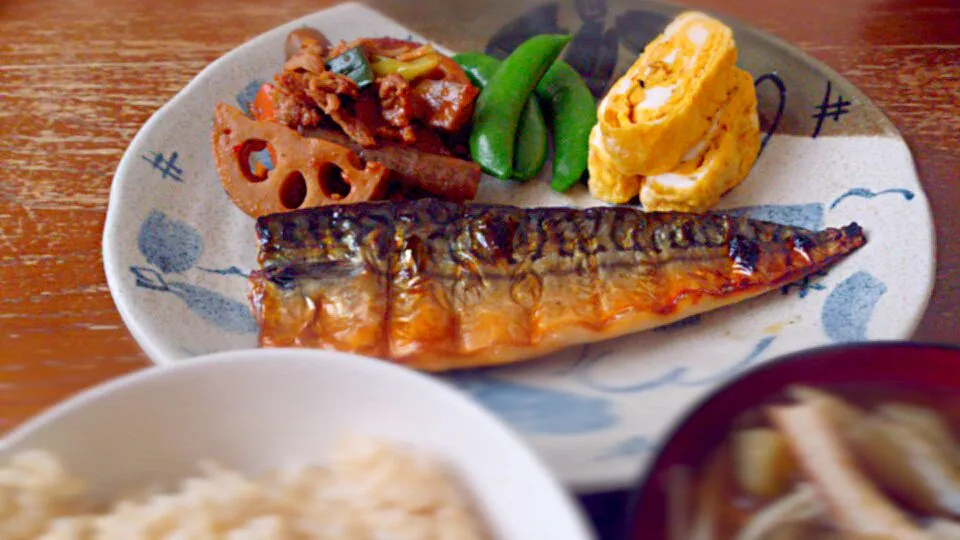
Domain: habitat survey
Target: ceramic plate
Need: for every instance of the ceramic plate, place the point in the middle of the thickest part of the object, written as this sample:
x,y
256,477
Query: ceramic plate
x,y
176,250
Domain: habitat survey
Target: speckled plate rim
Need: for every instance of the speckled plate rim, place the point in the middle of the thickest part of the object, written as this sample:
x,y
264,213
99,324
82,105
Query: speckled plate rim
x,y
153,350
156,351
116,193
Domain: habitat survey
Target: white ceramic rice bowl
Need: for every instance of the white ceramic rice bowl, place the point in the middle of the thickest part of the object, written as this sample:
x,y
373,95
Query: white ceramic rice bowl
x,y
257,410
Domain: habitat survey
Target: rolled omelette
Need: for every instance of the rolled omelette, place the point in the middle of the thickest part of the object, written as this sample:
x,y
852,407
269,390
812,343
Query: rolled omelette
x,y
605,181
714,165
666,101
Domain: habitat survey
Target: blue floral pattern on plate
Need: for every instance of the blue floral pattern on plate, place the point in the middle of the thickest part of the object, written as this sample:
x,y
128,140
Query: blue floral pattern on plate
x,y
174,247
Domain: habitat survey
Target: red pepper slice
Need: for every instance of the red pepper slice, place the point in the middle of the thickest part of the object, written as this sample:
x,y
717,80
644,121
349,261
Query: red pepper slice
x,y
263,107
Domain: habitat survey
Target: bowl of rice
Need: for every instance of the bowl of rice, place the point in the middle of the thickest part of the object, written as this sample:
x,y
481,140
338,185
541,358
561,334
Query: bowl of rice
x,y
276,444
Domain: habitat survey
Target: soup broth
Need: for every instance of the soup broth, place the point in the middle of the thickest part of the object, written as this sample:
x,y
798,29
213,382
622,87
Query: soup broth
x,y
839,462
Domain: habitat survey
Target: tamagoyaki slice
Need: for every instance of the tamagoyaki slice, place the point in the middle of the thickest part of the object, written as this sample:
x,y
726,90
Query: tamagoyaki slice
x,y
710,168
714,165
666,101
605,182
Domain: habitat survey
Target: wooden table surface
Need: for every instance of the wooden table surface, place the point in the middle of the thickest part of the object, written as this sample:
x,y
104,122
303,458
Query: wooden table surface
x,y
78,78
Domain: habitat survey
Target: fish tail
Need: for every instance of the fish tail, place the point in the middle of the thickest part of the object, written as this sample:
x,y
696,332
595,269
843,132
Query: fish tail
x,y
800,252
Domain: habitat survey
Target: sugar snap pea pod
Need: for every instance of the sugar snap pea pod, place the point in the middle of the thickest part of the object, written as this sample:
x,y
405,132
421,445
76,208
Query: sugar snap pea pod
x,y
478,66
499,105
530,149
573,113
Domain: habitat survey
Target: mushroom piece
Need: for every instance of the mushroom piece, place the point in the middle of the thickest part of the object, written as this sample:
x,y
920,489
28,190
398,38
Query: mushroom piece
x,y
302,37
789,513
855,504
904,460
905,449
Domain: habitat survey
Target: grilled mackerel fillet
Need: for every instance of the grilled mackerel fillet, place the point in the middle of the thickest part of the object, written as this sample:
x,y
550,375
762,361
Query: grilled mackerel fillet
x,y
440,286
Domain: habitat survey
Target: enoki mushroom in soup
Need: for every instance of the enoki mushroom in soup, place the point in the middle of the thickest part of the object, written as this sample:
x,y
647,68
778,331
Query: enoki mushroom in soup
x,y
845,464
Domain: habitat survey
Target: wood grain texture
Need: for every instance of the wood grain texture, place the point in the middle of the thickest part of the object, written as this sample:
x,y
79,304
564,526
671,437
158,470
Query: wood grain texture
x,y
79,77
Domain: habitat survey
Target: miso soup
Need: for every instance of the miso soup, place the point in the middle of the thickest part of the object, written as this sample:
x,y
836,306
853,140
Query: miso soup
x,y
827,463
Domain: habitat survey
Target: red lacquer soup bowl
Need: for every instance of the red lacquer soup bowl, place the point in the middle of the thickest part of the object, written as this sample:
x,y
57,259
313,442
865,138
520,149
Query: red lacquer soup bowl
x,y
931,370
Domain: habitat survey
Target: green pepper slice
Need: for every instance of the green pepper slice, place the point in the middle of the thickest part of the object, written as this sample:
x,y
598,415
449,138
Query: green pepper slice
x,y
530,149
352,63
500,103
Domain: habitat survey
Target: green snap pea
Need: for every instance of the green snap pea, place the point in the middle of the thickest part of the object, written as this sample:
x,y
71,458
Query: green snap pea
x,y
501,102
573,113
530,148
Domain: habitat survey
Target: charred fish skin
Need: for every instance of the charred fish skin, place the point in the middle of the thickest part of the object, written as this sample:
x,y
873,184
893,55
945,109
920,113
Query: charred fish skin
x,y
439,285
324,279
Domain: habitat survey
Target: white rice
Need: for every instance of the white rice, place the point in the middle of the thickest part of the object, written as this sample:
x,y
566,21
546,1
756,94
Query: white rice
x,y
368,491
